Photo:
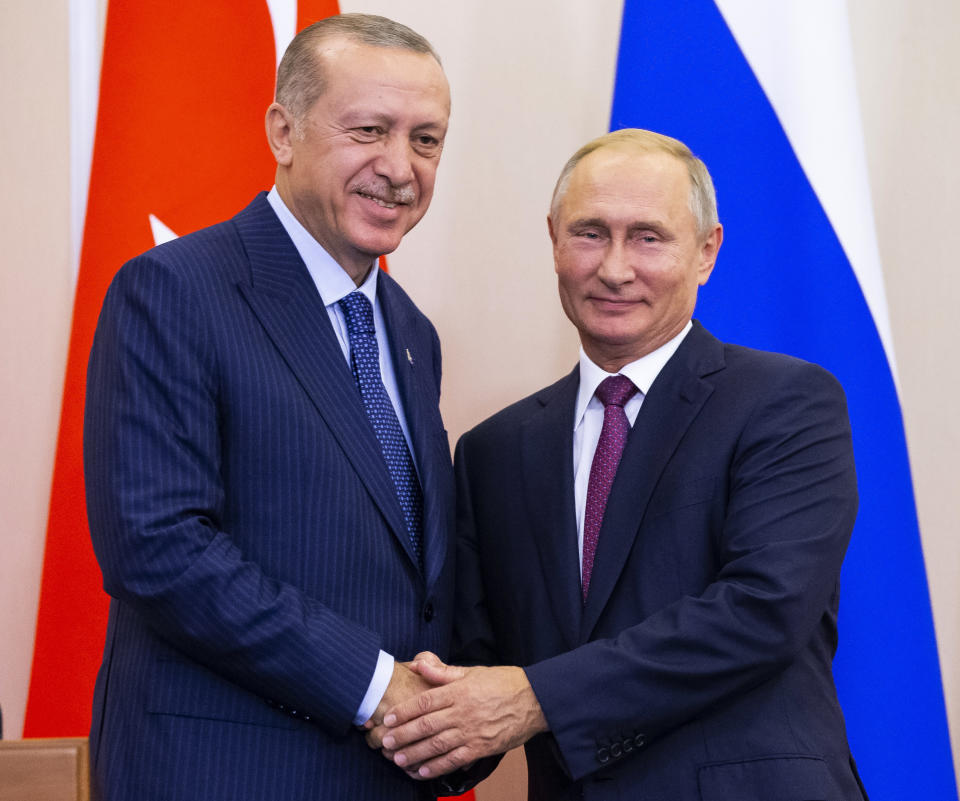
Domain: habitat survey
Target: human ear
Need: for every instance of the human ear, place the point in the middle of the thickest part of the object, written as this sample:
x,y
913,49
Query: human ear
x,y
279,127
708,253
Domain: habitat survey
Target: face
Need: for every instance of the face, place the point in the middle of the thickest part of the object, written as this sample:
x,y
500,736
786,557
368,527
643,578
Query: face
x,y
627,253
361,172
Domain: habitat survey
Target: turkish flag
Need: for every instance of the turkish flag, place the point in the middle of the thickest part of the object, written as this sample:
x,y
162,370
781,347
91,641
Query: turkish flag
x,y
180,140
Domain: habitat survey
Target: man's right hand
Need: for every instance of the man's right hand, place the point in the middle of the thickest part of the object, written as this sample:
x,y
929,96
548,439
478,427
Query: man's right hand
x,y
404,683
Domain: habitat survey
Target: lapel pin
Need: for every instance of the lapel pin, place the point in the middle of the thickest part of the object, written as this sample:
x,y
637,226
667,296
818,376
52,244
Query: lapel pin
x,y
409,357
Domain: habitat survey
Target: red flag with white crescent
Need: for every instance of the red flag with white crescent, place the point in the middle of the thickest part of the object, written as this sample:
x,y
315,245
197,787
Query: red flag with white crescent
x,y
175,78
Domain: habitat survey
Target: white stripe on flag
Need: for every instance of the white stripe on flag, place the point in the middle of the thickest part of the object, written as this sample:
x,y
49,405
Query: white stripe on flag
x,y
800,51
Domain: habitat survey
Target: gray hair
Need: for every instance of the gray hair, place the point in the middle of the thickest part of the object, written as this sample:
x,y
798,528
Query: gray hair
x,y
300,78
703,197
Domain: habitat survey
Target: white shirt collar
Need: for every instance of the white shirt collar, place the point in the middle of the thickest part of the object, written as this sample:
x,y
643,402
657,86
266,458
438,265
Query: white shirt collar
x,y
641,372
331,279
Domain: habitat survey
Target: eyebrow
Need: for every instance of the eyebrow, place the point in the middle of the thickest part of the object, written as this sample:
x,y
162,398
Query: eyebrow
x,y
587,222
600,222
375,116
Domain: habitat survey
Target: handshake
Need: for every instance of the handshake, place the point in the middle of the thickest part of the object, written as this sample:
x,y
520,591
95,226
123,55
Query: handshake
x,y
436,718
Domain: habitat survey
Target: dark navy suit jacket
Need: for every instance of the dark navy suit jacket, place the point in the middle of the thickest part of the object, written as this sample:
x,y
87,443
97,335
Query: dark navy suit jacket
x,y
247,527
699,668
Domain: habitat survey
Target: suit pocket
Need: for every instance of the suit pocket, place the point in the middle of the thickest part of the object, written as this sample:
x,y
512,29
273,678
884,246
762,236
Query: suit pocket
x,y
189,690
782,778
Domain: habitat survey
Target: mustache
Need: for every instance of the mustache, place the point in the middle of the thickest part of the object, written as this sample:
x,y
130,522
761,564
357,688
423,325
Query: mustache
x,y
387,193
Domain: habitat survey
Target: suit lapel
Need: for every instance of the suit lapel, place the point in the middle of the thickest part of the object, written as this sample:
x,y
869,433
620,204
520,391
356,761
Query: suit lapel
x,y
674,400
547,458
411,350
286,302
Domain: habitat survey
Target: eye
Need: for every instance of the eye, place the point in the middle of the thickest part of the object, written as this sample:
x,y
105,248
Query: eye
x,y
646,237
368,132
426,144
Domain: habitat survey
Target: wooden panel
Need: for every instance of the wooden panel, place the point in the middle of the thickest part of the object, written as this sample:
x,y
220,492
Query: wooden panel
x,y
44,770
508,782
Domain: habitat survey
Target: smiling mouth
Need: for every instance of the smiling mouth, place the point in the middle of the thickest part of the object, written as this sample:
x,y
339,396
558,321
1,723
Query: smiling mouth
x,y
386,204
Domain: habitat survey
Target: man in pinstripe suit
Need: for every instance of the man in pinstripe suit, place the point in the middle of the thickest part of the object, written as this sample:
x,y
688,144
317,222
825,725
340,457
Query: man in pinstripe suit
x,y
267,582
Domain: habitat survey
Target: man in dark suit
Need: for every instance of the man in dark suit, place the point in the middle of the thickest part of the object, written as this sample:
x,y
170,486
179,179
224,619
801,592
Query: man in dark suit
x,y
269,483
656,539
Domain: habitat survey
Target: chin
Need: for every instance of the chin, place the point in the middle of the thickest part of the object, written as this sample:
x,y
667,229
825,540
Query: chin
x,y
616,335
378,245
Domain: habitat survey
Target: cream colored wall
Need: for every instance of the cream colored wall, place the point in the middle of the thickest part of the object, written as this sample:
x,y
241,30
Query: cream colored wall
x,y
907,58
35,305
907,61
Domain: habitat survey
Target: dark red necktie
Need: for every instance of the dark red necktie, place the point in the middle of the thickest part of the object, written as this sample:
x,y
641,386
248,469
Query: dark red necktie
x,y
613,392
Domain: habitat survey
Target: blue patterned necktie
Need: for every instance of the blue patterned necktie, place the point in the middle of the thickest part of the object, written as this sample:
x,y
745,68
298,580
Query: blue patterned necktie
x,y
365,362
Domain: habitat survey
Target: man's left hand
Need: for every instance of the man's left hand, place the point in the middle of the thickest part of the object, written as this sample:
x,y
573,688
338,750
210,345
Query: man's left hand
x,y
476,712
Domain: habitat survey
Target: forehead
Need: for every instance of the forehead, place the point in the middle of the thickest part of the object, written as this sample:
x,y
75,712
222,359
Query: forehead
x,y
353,70
625,181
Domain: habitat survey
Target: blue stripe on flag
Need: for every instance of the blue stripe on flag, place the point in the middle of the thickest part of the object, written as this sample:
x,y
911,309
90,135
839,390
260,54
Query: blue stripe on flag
x,y
783,283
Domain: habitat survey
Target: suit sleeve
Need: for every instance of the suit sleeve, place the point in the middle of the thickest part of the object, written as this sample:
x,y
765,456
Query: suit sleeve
x,y
779,547
155,500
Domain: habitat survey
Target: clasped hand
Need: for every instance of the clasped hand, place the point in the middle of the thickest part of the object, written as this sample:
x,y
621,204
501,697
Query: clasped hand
x,y
466,714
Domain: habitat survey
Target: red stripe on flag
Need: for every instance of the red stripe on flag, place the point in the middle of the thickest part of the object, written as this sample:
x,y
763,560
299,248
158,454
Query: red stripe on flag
x,y
309,11
179,135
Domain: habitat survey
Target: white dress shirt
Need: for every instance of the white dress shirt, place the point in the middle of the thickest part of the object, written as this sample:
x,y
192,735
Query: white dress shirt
x,y
333,284
588,414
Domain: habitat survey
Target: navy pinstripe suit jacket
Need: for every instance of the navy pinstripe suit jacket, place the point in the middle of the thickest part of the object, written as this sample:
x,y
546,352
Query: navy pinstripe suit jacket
x,y
247,527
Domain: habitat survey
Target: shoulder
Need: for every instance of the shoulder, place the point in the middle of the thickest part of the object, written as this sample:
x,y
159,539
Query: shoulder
x,y
508,422
758,370
745,370
206,264
216,252
194,252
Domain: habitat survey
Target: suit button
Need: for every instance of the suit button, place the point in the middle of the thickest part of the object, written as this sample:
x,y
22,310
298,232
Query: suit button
x,y
628,745
640,741
428,612
293,713
603,756
616,751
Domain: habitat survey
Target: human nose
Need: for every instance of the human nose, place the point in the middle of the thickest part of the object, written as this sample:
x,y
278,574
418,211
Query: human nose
x,y
394,162
615,267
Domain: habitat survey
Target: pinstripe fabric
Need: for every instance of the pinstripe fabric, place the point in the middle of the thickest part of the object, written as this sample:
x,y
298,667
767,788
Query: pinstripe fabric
x,y
247,527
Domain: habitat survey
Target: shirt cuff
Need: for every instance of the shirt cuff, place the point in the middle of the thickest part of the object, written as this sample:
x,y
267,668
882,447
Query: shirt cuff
x,y
376,690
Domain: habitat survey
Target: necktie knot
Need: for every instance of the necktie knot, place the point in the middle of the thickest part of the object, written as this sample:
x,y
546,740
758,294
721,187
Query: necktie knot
x,y
358,312
615,390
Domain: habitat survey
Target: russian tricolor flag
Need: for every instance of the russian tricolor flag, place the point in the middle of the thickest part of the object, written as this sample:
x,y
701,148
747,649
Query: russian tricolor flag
x,y
764,94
